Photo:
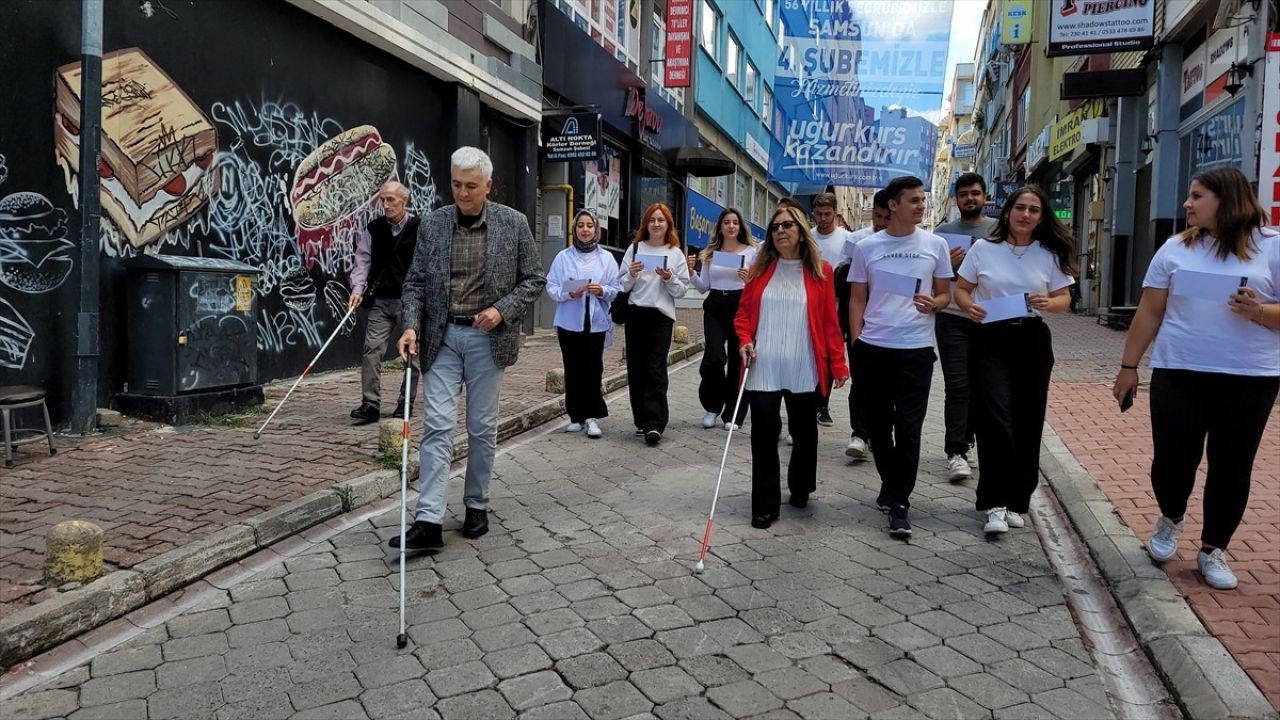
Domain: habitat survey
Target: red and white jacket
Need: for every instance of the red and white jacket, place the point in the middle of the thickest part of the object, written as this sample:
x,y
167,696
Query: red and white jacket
x,y
824,327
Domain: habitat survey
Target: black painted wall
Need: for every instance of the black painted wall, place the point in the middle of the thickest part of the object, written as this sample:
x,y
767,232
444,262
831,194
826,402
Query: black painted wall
x,y
274,83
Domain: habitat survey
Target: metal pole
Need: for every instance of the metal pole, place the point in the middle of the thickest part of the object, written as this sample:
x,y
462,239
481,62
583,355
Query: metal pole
x,y
85,392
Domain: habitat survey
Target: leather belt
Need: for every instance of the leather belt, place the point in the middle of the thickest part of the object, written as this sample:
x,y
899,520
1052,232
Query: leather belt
x,y
464,320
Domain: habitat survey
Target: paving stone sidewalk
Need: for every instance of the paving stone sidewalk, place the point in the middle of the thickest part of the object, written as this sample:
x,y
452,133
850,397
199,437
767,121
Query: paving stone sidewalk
x,y
580,604
152,488
1116,450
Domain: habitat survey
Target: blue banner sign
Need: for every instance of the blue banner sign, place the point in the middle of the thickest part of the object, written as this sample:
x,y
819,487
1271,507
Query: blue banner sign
x,y
858,91
700,220
757,232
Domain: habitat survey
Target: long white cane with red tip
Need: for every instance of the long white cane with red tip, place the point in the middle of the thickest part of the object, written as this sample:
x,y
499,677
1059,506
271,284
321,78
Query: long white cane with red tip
x,y
403,639
306,372
711,516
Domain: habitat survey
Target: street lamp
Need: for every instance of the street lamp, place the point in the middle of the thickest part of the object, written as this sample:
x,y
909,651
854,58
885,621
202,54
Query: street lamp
x,y
1236,75
1148,145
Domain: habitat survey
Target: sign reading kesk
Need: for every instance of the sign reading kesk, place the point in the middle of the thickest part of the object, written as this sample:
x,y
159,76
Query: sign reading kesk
x,y
858,87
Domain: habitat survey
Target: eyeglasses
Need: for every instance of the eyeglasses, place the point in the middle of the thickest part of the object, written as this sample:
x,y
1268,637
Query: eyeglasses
x,y
784,225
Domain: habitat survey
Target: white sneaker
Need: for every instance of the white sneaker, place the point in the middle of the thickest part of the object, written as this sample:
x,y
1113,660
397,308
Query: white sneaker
x,y
1213,566
1014,520
958,469
1164,540
857,448
732,426
996,522
573,427
789,440
710,420
593,428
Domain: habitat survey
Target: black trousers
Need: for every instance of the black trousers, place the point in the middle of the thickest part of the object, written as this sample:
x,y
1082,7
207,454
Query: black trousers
x,y
648,334
954,335
1010,366
857,424
802,469
721,367
583,354
1230,411
893,396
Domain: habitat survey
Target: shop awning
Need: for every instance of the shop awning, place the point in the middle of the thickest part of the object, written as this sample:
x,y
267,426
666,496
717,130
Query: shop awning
x,y
700,161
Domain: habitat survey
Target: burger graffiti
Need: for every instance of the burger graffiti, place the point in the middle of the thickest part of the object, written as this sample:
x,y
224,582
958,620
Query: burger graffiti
x,y
35,256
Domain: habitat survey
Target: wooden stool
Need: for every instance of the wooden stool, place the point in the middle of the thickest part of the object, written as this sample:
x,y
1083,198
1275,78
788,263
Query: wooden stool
x,y
18,397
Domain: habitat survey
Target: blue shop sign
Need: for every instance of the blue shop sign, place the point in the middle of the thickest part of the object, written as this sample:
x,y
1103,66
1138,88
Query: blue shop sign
x,y
757,232
700,220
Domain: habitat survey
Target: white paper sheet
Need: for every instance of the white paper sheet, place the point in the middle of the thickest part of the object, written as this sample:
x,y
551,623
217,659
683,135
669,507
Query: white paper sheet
x,y
956,240
895,284
651,262
573,285
849,245
1007,307
1205,286
733,261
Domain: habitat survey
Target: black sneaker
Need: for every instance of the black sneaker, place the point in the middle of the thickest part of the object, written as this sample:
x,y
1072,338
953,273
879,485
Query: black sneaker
x,y
652,437
422,535
882,500
798,500
366,413
476,524
824,417
899,525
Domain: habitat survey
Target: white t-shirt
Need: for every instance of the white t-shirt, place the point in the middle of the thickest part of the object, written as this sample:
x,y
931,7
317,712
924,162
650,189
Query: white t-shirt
x,y
1205,335
832,246
649,290
998,271
712,277
892,321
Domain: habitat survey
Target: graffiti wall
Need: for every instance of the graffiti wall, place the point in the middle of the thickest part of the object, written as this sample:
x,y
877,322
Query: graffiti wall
x,y
232,129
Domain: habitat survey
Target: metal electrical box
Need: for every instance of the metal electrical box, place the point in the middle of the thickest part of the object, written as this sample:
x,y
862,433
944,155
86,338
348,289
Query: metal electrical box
x,y
193,325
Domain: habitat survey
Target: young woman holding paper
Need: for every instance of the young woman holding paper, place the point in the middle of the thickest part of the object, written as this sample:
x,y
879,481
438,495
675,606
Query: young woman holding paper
x,y
1005,282
656,274
583,281
725,263
1216,362
789,334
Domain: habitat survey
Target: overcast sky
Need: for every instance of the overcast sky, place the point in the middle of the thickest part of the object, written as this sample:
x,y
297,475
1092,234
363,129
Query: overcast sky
x,y
966,21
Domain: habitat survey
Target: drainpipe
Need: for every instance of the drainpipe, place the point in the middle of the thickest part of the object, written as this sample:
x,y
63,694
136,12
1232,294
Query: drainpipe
x,y
84,398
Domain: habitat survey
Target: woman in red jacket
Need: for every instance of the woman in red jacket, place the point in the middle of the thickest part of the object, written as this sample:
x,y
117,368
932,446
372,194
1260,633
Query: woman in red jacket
x,y
789,334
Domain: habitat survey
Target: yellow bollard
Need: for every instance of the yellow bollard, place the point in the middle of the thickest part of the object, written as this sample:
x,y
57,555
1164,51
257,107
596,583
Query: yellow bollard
x,y
73,552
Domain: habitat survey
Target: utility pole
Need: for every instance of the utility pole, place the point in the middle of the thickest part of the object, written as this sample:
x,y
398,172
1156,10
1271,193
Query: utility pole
x,y
85,393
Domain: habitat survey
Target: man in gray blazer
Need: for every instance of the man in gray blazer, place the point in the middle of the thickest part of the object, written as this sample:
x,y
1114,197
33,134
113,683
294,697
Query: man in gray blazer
x,y
475,270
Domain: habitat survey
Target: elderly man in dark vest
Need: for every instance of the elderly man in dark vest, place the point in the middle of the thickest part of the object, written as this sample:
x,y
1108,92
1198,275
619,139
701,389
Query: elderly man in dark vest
x,y
383,255
475,271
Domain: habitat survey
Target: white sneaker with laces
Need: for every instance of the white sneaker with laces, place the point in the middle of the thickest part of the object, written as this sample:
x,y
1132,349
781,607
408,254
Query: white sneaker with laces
x,y
1164,540
1213,566
573,427
996,522
710,420
857,448
1014,520
958,468
593,428
732,426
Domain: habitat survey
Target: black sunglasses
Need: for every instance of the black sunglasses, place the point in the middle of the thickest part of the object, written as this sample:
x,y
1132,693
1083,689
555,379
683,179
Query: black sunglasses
x,y
784,225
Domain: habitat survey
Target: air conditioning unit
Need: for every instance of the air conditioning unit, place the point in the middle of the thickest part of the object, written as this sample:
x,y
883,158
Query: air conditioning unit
x,y
1096,131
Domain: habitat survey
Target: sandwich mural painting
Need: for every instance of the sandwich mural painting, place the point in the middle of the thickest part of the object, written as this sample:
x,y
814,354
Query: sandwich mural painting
x,y
275,160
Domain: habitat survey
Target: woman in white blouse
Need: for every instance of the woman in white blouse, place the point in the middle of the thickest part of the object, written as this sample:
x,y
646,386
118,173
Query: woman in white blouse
x,y
725,263
1209,301
789,334
583,281
1029,262
656,274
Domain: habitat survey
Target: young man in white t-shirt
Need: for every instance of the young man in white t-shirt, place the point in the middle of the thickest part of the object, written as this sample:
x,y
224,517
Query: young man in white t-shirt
x,y
891,324
955,330
831,239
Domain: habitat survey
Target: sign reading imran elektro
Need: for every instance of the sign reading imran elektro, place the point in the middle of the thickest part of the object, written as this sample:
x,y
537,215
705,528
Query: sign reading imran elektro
x,y
858,86
571,137
1084,27
1066,133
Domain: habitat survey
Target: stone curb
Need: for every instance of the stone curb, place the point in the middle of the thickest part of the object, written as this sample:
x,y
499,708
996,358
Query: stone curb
x,y
1204,679
37,628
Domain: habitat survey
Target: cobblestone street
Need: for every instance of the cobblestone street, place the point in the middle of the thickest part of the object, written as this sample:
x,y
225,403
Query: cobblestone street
x,y
581,603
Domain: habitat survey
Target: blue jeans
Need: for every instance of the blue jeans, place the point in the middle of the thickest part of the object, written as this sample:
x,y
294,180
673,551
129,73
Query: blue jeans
x,y
465,357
